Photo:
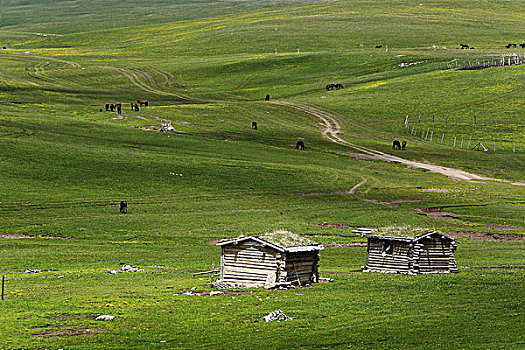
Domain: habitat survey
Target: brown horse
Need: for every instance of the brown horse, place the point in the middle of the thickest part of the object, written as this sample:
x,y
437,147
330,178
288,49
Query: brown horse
x,y
330,87
119,108
143,103
135,107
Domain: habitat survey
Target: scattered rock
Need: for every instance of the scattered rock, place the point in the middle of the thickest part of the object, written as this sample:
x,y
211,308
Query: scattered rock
x,y
104,317
276,316
125,268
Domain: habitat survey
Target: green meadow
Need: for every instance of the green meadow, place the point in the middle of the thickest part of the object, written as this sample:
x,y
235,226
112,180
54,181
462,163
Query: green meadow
x,y
205,67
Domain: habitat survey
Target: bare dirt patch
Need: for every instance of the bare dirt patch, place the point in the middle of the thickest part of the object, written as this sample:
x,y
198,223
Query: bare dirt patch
x,y
69,332
207,292
214,241
20,236
486,236
68,316
339,226
355,244
504,227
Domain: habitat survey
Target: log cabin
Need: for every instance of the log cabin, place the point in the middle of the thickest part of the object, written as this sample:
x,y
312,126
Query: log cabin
x,y
410,253
271,260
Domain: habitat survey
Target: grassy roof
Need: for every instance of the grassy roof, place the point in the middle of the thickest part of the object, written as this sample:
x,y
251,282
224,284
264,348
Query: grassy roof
x,y
400,231
286,239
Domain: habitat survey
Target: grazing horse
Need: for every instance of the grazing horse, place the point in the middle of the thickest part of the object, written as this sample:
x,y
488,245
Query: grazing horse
x,y
403,145
112,107
135,107
522,46
143,103
119,108
463,46
107,107
123,207
379,46
299,145
254,125
338,86
396,145
330,87
267,98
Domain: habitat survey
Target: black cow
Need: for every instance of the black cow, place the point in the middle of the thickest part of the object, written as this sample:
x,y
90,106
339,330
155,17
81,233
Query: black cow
x,y
119,108
403,145
396,145
107,107
112,107
379,46
254,125
267,98
299,145
463,46
123,207
338,86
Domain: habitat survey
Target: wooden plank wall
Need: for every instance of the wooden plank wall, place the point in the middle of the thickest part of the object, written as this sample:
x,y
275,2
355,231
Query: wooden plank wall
x,y
301,266
434,255
248,263
399,260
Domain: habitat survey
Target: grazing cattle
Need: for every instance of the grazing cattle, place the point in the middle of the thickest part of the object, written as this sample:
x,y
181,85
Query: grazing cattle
x,y
403,145
396,145
107,107
338,86
119,108
123,207
299,145
379,46
463,46
254,125
143,103
330,87
135,107
522,46
112,107
267,98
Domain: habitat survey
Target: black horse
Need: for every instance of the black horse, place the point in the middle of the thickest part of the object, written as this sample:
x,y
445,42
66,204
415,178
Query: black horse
x,y
338,86
396,145
254,125
123,207
299,145
267,98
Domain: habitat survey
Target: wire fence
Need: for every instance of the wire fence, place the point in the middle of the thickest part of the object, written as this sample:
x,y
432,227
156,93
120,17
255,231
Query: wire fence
x,y
463,141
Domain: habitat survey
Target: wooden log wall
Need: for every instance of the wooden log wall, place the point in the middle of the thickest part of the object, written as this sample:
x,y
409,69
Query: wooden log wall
x,y
301,266
399,260
434,255
249,263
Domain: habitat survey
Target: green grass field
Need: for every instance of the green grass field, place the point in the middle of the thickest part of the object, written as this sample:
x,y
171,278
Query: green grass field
x,y
206,66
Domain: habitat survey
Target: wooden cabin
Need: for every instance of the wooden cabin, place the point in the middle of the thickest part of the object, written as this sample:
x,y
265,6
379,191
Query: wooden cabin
x,y
430,252
274,259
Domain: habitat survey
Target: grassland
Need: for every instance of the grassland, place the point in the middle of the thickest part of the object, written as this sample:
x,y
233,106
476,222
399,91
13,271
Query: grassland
x,y
206,66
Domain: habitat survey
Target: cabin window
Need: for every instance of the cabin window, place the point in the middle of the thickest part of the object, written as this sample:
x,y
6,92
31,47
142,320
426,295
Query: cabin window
x,y
388,248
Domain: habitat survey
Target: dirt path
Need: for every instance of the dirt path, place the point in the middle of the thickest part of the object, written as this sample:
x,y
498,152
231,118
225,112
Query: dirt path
x,y
332,129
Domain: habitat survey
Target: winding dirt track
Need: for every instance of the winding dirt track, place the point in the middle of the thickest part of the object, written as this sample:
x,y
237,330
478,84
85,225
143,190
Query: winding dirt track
x,y
331,130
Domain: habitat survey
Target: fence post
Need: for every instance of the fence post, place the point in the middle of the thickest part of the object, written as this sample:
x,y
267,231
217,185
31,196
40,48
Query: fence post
x,y
3,282
442,137
412,132
431,134
426,136
454,141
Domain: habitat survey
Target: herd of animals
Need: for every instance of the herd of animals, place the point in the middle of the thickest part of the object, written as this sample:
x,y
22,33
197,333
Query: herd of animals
x,y
117,107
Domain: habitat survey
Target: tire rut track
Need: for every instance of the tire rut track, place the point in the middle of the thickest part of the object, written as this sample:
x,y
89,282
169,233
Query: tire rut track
x,y
332,129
